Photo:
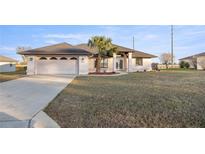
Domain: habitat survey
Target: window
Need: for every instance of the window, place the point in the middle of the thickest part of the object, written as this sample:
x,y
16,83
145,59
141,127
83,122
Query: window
x,y
43,58
53,58
63,58
73,58
139,61
104,63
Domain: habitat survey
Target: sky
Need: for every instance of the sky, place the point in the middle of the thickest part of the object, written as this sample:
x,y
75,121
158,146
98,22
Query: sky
x,y
188,40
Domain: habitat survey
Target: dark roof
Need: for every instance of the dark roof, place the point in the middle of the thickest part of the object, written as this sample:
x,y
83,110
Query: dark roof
x,y
7,59
197,55
80,49
136,53
86,47
58,49
200,54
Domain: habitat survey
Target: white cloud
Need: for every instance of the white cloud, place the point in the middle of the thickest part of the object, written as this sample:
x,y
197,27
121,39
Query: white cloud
x,y
196,32
111,28
150,37
5,48
52,41
180,48
66,36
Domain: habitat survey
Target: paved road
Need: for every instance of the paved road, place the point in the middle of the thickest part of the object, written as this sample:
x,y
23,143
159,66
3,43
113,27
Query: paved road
x,y
22,100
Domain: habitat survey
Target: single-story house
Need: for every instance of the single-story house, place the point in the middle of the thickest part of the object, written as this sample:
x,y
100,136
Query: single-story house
x,y
80,59
7,64
195,61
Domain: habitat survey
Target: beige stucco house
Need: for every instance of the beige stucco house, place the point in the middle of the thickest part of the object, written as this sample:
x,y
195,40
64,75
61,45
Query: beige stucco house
x,y
7,64
195,61
80,59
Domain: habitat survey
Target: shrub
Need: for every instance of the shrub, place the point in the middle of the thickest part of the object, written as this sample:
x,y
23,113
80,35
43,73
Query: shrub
x,y
155,66
184,64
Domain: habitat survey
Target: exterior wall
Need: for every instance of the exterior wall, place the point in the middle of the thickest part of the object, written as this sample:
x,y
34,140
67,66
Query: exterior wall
x,y
114,62
91,65
147,65
31,65
130,63
201,63
133,68
190,61
7,67
83,65
86,65
110,66
93,69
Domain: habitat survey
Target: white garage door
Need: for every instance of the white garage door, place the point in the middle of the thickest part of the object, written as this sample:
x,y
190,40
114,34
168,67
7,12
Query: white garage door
x,y
57,66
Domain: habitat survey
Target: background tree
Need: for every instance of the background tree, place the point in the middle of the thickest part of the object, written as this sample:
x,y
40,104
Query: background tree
x,y
23,48
166,58
104,46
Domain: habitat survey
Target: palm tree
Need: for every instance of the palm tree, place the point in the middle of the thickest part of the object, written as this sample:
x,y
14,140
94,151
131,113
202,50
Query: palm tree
x,y
104,46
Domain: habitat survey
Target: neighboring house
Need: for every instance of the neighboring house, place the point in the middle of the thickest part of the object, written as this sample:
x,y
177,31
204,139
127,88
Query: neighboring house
x,y
195,61
80,59
7,64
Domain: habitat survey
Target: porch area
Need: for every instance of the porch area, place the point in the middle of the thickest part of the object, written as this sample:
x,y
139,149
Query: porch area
x,y
122,62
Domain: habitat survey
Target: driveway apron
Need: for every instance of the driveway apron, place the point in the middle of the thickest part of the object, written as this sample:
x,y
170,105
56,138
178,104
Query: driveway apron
x,y
24,98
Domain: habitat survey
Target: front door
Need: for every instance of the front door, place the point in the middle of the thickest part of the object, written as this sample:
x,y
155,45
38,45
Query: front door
x,y
119,64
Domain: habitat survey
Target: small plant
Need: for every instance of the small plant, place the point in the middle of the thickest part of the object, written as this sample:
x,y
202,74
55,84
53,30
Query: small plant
x,y
155,66
184,64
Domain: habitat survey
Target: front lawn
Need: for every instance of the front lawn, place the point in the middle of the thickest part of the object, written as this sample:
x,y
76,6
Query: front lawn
x,y
12,75
152,99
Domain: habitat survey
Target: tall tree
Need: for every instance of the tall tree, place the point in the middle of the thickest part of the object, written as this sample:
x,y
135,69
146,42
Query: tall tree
x,y
166,58
104,46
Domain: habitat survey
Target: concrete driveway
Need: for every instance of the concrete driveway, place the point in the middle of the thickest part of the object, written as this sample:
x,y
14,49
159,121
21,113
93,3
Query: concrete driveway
x,y
22,100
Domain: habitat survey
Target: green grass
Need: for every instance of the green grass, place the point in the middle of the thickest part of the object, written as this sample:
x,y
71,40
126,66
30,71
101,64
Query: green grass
x,y
152,99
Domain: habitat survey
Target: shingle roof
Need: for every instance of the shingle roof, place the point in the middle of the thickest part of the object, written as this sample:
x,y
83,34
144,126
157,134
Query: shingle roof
x,y
57,49
200,54
7,59
197,55
136,53
86,47
80,49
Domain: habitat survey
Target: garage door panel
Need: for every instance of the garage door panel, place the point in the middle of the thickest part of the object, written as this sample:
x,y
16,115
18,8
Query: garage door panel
x,y
56,67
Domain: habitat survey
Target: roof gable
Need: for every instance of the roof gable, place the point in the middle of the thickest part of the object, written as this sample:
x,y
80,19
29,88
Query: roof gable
x,y
136,53
80,49
193,56
54,47
61,49
200,54
84,46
